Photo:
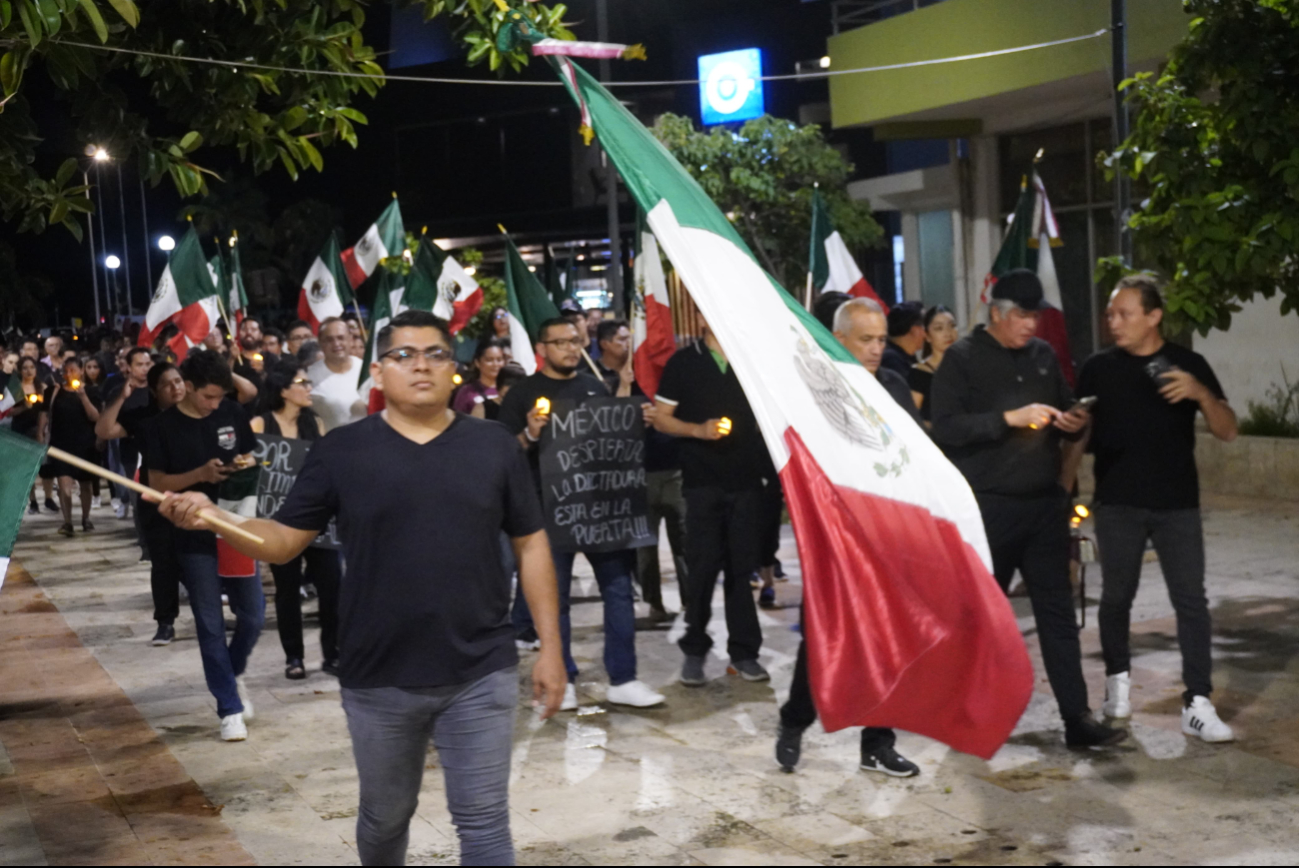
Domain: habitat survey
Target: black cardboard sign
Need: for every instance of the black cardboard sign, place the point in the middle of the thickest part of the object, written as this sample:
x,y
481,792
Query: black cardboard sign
x,y
281,461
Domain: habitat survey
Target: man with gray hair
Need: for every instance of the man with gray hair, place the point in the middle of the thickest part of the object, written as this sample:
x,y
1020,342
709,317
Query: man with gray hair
x,y
862,327
1001,411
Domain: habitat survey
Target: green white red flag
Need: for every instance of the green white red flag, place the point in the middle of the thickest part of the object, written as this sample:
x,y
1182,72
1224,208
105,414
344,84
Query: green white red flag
x,y
185,297
385,237
325,289
652,334
236,296
529,306
417,290
459,297
1032,233
21,459
905,625
831,267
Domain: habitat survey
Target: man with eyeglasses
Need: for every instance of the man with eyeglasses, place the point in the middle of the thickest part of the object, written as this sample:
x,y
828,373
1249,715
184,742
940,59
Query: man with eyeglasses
x,y
421,495
559,344
336,395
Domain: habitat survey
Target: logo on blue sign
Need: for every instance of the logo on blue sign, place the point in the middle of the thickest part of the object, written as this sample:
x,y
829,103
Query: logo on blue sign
x,y
730,86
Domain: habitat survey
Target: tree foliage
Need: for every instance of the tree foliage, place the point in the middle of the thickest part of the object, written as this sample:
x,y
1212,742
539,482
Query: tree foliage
x,y
1215,154
762,176
167,112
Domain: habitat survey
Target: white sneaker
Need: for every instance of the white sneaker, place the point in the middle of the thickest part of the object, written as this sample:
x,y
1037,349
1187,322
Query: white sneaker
x,y
637,694
94,502
1201,718
232,727
119,508
1117,704
570,698
243,697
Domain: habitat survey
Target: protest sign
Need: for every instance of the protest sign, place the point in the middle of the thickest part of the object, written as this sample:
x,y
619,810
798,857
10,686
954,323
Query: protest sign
x,y
281,461
593,476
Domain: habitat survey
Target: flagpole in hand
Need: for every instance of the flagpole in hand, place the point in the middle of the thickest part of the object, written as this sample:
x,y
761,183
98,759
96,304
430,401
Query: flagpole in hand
x,y
209,516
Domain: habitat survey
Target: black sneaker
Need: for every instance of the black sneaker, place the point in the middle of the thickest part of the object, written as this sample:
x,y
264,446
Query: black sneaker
x,y
789,747
166,633
51,505
889,762
330,667
1085,732
33,508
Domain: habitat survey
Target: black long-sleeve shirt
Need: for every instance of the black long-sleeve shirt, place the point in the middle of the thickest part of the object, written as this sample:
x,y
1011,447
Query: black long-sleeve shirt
x,y
978,381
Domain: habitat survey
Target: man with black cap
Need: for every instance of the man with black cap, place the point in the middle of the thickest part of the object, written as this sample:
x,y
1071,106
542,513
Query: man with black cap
x,y
1001,412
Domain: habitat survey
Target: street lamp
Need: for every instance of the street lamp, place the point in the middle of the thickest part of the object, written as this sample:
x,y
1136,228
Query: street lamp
x,y
166,244
112,262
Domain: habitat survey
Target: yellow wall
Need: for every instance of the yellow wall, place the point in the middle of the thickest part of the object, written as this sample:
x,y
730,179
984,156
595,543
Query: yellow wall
x,y
958,27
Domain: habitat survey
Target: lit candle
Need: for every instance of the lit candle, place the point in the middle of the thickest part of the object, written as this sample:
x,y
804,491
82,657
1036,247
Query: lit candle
x,y
543,406
724,426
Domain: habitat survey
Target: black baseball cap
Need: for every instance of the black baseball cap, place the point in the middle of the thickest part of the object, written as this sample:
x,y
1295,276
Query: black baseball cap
x,y
1020,286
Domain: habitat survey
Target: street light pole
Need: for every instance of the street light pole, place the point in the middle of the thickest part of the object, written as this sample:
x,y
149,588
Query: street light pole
x,y
144,218
94,260
1119,72
110,291
611,181
126,248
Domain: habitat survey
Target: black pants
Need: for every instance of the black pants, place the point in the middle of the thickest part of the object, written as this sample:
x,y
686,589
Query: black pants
x,y
323,571
1031,534
722,535
773,505
164,566
1121,534
800,712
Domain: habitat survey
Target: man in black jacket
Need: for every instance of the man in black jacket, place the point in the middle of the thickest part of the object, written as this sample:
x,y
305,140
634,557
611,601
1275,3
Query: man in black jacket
x,y
999,412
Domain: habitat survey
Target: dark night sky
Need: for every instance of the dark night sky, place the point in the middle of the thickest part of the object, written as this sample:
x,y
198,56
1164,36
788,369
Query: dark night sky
x,y
423,140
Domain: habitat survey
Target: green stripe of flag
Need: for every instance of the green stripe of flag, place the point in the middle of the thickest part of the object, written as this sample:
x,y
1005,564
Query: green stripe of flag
x,y
21,459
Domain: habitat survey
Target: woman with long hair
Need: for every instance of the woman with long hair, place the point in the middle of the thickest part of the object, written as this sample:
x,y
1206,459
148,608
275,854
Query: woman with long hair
x,y
72,409
489,358
498,323
287,413
940,334
26,412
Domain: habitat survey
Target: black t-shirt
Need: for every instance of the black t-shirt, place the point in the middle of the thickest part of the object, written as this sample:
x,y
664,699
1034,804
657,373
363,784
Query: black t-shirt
x,y
70,428
523,396
693,382
425,602
921,380
1144,446
176,443
129,446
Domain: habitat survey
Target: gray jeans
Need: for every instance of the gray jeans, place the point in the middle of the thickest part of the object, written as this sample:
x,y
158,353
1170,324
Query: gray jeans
x,y
667,504
1121,534
472,727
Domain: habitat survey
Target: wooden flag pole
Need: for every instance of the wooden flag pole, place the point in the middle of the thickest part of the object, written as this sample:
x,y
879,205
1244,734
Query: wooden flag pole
x,y
594,369
234,336
208,515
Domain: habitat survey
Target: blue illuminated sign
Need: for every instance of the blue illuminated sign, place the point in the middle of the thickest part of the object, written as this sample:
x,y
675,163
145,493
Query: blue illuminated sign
x,y
730,86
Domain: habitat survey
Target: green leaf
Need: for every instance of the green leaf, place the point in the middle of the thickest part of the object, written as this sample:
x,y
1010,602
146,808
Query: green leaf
x,y
127,9
294,117
190,141
31,23
50,15
96,20
65,173
6,12
70,224
313,155
58,212
12,65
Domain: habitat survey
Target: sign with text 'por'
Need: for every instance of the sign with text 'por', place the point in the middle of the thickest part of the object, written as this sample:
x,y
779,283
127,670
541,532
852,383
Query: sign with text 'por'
x,y
281,460
593,476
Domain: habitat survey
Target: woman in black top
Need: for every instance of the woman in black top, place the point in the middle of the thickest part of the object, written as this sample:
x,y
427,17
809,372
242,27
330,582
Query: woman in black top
x,y
26,413
940,334
287,395
72,407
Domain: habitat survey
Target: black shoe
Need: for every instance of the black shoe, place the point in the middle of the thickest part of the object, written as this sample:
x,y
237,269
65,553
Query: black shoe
x,y
294,670
330,667
888,761
789,747
166,633
33,508
1086,732
51,505
87,525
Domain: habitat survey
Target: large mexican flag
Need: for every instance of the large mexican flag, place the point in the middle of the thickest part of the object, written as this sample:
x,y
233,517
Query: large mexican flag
x,y
21,459
831,267
385,237
186,296
905,625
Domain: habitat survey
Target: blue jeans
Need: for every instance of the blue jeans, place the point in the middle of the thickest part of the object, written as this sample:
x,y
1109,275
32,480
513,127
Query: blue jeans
x,y
472,727
613,575
222,663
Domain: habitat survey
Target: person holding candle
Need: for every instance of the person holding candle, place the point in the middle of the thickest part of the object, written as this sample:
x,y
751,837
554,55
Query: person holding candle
x,y
71,407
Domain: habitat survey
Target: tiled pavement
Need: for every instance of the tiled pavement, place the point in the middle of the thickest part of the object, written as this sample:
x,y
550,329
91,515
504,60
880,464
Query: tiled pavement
x,y
113,756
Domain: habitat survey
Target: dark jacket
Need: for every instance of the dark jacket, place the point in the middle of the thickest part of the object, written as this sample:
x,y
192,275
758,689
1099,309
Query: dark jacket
x,y
896,385
977,383
896,359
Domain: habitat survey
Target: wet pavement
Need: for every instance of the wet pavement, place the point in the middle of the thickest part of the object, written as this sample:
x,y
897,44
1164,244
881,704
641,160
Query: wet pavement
x,y
110,748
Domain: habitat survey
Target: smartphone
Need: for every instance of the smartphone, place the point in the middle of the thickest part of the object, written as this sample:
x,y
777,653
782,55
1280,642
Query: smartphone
x,y
1084,404
1157,367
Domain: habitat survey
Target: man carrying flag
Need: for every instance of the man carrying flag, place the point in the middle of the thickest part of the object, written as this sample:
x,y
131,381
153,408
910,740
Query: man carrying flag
x,y
830,267
386,237
325,289
186,297
912,631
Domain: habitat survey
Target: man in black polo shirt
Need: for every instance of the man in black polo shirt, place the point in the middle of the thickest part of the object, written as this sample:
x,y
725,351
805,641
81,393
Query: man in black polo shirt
x,y
1148,393
421,495
559,343
724,473
999,412
906,337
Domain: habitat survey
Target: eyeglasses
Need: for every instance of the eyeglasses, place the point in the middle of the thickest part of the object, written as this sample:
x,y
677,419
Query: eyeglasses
x,y
502,315
302,381
405,356
566,343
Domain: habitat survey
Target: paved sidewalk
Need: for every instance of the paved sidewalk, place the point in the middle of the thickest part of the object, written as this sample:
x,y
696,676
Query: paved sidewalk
x,y
695,782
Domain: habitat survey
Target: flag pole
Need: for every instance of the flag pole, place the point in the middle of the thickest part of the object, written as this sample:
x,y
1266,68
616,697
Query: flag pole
x,y
360,321
208,516
594,369
234,338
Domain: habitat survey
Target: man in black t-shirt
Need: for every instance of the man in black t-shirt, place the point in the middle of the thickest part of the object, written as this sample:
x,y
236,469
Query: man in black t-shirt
x,y
193,447
421,495
725,469
1147,395
559,343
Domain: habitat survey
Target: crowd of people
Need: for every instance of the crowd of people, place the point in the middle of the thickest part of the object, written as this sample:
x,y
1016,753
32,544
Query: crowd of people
x,y
434,482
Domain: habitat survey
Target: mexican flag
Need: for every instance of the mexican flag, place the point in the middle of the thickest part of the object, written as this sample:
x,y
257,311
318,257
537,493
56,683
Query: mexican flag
x,y
386,237
11,395
905,625
458,295
236,297
529,305
325,289
389,300
831,267
21,459
186,296
1029,239
652,334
